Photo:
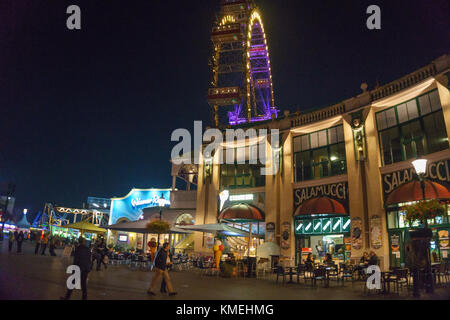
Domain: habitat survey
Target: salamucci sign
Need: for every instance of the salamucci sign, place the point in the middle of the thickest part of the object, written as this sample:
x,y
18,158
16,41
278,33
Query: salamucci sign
x,y
436,171
337,191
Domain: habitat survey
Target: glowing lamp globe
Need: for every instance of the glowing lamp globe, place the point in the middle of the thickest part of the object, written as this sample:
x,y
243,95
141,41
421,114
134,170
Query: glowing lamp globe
x,y
420,165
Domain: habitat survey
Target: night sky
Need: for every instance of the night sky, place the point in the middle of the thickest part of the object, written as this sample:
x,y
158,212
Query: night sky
x,y
90,112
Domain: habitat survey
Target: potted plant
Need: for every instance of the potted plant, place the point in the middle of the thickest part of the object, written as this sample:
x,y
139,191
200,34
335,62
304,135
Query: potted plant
x,y
423,211
159,227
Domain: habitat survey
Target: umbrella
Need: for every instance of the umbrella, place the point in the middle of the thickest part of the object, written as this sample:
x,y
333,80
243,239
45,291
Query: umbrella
x,y
140,226
218,228
85,226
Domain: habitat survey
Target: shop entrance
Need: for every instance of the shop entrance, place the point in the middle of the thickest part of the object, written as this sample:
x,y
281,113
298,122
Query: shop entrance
x,y
334,244
320,235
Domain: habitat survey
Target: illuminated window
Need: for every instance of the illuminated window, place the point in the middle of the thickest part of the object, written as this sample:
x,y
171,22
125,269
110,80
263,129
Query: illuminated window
x,y
319,154
412,129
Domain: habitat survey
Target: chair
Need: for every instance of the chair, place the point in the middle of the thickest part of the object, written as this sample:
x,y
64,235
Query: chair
x,y
301,271
318,274
333,272
399,278
281,272
347,272
441,273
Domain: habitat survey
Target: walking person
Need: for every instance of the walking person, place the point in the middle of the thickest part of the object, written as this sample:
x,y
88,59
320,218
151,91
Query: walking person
x,y
19,240
44,243
160,269
82,259
163,282
10,241
52,242
38,238
102,252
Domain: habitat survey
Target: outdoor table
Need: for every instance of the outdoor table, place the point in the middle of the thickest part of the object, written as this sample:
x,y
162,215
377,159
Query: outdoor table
x,y
385,276
291,271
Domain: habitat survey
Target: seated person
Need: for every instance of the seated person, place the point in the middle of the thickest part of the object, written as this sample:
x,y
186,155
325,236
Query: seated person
x,y
373,259
328,260
309,262
364,259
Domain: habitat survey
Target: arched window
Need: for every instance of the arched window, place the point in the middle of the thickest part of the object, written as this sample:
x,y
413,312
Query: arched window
x,y
184,219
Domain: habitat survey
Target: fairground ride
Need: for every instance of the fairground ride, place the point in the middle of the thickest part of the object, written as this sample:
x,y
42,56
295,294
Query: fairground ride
x,y
55,216
241,87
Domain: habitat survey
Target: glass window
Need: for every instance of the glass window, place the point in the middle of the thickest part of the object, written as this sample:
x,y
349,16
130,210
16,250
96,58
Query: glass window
x,y
314,140
402,113
340,133
381,120
390,118
435,132
392,219
435,101
303,165
323,138
390,146
332,135
320,162
416,136
412,137
241,175
424,102
411,106
322,155
337,159
305,142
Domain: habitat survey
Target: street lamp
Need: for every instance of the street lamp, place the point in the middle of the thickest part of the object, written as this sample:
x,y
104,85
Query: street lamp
x,y
420,165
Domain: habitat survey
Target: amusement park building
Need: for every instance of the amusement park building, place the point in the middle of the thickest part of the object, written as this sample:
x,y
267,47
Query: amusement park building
x,y
342,170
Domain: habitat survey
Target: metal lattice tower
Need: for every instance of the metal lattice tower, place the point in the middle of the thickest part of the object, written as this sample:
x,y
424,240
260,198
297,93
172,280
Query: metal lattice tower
x,y
241,82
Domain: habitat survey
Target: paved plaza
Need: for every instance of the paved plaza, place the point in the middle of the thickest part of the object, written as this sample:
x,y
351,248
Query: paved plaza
x,y
26,276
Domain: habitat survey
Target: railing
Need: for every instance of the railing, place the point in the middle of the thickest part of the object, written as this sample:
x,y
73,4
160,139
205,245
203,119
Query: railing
x,y
403,83
318,115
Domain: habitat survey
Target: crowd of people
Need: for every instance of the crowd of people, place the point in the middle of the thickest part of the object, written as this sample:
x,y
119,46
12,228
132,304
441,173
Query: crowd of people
x,y
86,257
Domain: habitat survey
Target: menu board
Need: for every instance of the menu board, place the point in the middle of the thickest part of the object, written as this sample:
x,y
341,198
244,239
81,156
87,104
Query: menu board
x,y
285,235
375,232
356,226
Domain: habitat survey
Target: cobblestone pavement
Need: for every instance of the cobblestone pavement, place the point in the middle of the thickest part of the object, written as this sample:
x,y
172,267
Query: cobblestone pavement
x,y
29,276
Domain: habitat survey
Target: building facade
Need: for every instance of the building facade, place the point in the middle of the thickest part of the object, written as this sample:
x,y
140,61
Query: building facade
x,y
338,166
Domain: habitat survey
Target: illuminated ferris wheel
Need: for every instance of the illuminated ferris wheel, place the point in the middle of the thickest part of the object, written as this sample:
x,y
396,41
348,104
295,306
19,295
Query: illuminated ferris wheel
x,y
241,87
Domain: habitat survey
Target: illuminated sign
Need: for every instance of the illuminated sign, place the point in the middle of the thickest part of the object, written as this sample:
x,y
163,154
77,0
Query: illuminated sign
x,y
123,238
322,226
130,207
241,197
436,171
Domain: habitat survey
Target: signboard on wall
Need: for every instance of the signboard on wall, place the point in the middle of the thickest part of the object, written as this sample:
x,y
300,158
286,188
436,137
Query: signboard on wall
x,y
285,235
356,232
322,226
376,240
131,206
337,191
270,232
436,171
227,199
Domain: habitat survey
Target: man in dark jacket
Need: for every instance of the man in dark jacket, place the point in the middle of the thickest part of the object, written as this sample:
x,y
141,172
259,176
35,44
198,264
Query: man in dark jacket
x,y
19,240
373,259
81,258
160,269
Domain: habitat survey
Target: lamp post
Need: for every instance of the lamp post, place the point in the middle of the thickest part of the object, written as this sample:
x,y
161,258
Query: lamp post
x,y
420,166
